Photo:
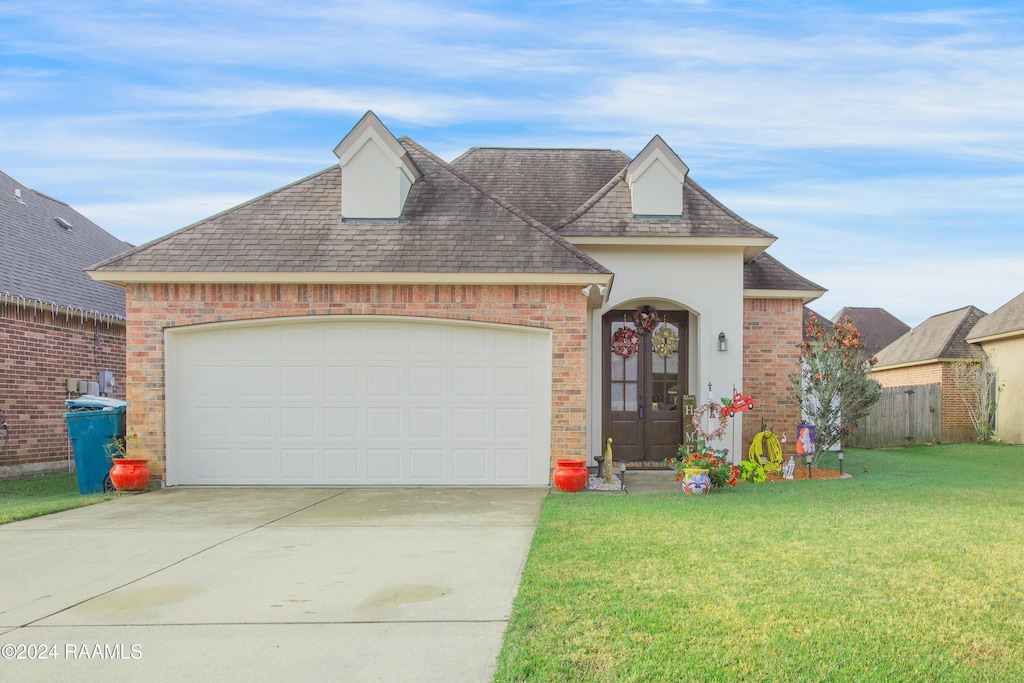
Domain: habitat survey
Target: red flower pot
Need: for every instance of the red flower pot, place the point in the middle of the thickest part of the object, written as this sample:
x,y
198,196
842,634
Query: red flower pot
x,y
129,474
570,474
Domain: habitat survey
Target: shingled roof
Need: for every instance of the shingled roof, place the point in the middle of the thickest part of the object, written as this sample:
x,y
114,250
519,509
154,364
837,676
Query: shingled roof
x,y
449,224
548,184
765,272
584,193
46,246
940,337
1005,320
878,327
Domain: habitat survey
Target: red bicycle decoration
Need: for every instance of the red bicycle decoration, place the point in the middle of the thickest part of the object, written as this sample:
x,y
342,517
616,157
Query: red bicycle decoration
x,y
625,342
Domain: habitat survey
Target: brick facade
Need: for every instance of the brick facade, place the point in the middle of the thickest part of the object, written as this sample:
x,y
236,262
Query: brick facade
x,y
772,334
955,423
42,346
154,307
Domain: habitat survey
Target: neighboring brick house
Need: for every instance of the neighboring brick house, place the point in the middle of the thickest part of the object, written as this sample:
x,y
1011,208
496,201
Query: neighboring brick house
x,y
396,319
878,327
924,355
1001,335
56,323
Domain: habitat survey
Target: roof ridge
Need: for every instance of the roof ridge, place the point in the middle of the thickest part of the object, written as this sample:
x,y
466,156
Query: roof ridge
x,y
955,332
508,206
586,206
131,252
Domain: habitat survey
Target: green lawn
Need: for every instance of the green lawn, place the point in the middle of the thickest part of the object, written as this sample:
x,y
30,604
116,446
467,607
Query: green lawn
x,y
913,570
25,498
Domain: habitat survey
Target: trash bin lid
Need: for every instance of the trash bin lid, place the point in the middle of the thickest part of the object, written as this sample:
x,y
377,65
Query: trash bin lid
x,y
95,402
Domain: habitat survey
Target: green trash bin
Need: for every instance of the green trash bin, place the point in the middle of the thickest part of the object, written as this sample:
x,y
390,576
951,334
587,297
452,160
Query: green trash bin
x,y
93,423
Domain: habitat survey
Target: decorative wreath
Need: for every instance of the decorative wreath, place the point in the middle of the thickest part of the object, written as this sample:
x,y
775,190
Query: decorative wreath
x,y
714,409
666,341
625,341
646,319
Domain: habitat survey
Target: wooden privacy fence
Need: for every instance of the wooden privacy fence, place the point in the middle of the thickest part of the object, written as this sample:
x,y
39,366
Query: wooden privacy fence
x,y
903,416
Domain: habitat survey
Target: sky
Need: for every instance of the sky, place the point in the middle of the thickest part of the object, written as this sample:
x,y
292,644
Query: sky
x,y
881,142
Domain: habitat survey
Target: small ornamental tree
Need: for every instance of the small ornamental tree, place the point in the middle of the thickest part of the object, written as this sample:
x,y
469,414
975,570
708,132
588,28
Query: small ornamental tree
x,y
833,388
974,381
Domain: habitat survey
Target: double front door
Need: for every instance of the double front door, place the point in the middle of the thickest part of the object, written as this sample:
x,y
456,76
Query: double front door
x,y
645,379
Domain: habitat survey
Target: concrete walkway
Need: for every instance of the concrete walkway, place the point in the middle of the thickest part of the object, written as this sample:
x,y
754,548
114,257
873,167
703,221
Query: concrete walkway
x,y
266,585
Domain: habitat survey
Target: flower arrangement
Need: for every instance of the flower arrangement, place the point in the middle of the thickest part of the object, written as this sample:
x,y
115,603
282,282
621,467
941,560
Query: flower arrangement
x,y
720,472
118,448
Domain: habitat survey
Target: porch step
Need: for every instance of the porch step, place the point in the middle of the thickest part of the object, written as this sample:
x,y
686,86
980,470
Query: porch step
x,y
646,465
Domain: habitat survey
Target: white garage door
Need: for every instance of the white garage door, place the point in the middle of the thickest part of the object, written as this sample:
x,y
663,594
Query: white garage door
x,y
358,401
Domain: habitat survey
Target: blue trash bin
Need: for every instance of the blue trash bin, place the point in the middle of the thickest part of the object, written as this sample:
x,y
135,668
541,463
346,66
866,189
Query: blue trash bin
x,y
93,424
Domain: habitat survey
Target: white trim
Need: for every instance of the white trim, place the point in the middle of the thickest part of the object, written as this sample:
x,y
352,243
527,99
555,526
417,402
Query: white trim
x,y
119,277
807,295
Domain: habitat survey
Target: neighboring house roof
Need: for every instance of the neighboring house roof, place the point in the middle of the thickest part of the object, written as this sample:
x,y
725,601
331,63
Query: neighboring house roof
x,y
449,225
878,327
826,325
1006,320
940,337
46,245
764,272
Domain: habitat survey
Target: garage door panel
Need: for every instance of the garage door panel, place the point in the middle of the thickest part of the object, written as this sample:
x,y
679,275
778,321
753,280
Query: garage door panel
x,y
345,401
426,423
341,422
255,465
255,381
298,465
341,380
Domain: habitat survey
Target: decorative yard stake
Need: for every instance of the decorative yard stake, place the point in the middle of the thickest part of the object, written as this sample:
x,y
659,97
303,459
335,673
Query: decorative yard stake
x,y
609,478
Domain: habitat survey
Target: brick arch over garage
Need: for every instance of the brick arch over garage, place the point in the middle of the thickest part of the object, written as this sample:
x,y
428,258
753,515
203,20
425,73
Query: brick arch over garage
x,y
153,308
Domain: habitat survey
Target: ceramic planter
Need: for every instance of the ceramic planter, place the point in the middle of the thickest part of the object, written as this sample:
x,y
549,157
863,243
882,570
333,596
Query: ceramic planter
x,y
570,474
696,480
129,474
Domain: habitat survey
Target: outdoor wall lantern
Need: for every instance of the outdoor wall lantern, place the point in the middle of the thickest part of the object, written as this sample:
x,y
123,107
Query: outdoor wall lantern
x,y
723,343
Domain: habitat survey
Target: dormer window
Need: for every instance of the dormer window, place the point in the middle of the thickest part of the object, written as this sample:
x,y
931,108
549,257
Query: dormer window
x,y
376,172
656,177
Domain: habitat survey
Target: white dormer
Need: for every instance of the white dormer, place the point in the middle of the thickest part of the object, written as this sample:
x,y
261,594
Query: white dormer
x,y
656,178
376,171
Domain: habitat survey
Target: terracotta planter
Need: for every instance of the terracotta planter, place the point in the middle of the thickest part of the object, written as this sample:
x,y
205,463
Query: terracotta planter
x,y
129,474
696,480
570,474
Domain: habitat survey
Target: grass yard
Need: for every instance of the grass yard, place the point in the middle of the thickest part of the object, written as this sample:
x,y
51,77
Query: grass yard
x,y
25,498
913,570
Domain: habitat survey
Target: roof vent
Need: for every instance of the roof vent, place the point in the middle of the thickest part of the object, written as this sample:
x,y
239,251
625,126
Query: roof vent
x,y
62,223
17,195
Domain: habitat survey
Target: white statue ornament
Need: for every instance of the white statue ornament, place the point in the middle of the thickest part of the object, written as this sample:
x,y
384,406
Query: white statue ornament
x,y
788,468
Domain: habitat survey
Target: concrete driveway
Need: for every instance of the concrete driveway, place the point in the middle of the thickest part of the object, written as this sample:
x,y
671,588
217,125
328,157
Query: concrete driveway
x,y
266,584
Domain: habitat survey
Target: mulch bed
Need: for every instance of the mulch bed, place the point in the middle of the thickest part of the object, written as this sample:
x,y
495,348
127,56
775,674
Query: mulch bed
x,y
800,472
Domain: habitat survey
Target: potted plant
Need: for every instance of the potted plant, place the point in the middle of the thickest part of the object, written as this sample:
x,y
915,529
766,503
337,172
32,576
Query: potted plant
x,y
127,474
704,470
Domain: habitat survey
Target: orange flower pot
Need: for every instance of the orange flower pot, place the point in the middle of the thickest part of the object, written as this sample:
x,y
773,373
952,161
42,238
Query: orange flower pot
x,y
570,474
129,474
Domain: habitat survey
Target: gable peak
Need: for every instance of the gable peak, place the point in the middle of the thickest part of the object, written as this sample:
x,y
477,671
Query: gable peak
x,y
656,177
376,171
